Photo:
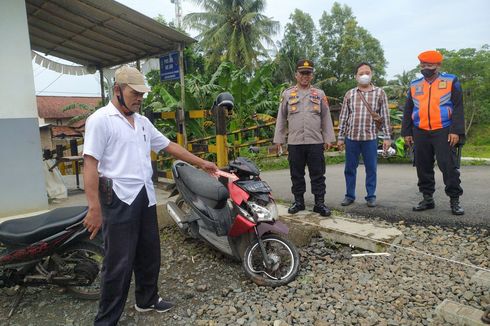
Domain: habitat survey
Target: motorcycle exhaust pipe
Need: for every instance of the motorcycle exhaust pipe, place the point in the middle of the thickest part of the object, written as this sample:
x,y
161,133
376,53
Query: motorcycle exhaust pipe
x,y
176,214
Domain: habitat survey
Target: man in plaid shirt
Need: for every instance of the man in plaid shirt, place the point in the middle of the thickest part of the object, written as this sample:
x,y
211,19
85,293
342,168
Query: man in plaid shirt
x,y
358,132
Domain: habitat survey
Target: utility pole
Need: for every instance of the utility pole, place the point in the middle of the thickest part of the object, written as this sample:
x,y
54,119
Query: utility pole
x,y
178,13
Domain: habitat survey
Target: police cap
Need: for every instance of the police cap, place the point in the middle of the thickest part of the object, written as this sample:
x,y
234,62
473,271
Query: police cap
x,y
304,65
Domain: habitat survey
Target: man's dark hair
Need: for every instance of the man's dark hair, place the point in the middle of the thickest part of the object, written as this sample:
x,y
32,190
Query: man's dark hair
x,y
362,64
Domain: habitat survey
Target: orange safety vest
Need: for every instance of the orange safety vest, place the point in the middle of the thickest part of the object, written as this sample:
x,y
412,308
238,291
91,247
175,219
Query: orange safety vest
x,y
432,102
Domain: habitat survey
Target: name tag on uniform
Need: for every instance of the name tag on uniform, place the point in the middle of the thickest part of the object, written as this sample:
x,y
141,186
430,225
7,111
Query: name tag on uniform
x,y
419,90
442,84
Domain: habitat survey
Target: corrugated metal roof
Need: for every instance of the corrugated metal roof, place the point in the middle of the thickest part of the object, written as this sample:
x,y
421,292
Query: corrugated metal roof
x,y
100,33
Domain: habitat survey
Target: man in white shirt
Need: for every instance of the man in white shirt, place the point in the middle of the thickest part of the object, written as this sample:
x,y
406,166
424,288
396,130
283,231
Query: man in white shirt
x,y
117,147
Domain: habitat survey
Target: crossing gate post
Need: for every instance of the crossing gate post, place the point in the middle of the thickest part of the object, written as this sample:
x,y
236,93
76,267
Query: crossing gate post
x,y
221,148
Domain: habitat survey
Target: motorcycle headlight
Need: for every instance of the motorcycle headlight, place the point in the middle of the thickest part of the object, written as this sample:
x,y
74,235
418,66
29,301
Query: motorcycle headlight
x,y
245,214
265,214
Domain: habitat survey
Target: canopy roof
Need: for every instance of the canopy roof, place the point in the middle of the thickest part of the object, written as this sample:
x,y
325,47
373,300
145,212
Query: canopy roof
x,y
97,33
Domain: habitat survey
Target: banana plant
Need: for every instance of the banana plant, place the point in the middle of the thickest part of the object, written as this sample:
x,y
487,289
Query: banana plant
x,y
87,108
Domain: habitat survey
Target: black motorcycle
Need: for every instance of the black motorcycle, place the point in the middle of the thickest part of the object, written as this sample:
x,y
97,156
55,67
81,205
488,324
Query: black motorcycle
x,y
238,216
52,248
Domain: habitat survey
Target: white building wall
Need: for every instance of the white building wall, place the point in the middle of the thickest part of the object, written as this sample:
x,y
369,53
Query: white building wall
x,y
22,184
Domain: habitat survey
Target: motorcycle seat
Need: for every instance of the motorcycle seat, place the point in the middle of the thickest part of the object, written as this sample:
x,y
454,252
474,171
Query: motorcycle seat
x,y
209,189
28,230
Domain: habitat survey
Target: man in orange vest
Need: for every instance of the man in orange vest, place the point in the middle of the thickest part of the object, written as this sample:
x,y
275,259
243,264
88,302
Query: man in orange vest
x,y
433,120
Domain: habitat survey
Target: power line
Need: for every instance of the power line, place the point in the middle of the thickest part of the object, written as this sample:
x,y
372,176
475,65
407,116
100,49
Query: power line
x,y
61,74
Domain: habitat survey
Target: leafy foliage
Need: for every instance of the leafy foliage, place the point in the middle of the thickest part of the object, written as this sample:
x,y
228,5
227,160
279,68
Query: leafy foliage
x,y
233,30
344,44
299,42
89,109
472,67
252,94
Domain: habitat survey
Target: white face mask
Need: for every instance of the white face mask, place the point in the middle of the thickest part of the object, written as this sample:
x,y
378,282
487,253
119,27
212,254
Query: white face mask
x,y
364,79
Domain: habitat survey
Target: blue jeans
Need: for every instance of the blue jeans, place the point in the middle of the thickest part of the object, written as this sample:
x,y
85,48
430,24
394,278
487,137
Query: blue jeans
x,y
368,149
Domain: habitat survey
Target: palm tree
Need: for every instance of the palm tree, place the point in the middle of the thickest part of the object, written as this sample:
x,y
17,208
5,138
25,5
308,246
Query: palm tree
x,y
233,30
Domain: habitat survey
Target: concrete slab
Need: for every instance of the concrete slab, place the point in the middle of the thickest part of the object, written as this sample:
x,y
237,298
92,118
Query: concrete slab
x,y
481,278
340,229
455,313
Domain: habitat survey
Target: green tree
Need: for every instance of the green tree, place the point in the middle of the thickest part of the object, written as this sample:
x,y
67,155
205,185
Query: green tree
x,y
396,89
233,30
472,67
299,42
343,45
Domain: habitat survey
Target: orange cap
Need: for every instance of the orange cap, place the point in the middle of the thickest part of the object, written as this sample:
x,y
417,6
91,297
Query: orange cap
x,y
431,56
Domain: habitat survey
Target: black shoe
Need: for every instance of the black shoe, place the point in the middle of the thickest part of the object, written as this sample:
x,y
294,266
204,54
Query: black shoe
x,y
296,207
426,203
322,209
347,201
371,202
456,208
160,306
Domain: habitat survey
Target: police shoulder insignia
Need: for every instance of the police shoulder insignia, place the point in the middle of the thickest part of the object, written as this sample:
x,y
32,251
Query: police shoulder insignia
x,y
442,84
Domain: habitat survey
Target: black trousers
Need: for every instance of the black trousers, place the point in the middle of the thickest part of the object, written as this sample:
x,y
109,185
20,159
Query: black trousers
x,y
434,143
131,243
301,156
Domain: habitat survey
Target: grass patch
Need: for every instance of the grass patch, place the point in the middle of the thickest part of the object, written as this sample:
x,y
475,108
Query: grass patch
x,y
479,151
479,135
478,142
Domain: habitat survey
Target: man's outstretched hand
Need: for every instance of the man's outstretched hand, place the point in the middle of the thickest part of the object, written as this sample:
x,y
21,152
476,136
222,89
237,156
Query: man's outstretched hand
x,y
209,167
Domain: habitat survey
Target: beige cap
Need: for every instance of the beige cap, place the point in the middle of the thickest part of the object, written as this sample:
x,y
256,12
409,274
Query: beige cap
x,y
132,77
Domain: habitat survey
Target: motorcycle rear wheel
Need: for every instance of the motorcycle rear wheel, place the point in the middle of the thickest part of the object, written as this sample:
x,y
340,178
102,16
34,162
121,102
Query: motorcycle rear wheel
x,y
85,255
281,251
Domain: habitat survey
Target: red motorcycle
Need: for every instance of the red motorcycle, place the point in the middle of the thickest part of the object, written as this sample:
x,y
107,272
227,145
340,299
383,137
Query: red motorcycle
x,y
237,215
50,249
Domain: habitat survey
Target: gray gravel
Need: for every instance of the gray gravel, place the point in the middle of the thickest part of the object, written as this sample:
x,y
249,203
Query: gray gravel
x,y
332,287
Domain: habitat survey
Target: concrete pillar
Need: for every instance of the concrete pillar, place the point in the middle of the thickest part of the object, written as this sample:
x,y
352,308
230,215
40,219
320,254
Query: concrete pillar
x,y
22,184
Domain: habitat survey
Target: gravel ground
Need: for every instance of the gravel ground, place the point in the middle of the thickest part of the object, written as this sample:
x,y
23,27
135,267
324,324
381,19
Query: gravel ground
x,y
332,288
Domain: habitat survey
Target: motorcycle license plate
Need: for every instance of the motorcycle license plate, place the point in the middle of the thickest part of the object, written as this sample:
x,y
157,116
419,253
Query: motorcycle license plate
x,y
254,186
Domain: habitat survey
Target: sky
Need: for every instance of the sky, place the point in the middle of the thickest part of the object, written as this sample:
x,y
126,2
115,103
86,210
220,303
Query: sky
x,y
404,28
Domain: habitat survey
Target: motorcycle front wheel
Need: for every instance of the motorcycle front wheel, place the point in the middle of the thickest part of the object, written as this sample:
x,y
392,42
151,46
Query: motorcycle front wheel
x,y
85,262
284,257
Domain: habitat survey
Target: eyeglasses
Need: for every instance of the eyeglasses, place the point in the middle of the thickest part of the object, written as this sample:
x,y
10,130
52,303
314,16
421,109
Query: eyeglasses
x,y
306,73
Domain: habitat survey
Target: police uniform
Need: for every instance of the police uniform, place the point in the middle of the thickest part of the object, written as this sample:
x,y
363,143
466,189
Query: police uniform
x,y
434,110
305,124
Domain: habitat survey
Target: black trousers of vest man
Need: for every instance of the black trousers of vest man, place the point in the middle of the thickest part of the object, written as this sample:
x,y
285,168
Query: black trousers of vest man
x,y
131,244
311,155
434,143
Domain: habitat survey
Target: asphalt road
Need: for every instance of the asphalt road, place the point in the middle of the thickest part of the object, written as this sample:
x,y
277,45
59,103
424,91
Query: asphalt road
x,y
397,192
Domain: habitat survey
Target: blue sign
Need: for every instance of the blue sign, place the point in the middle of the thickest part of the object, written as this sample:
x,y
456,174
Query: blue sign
x,y
169,66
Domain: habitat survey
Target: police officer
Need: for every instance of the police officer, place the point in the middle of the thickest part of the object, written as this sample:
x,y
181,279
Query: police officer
x,y
433,120
304,119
